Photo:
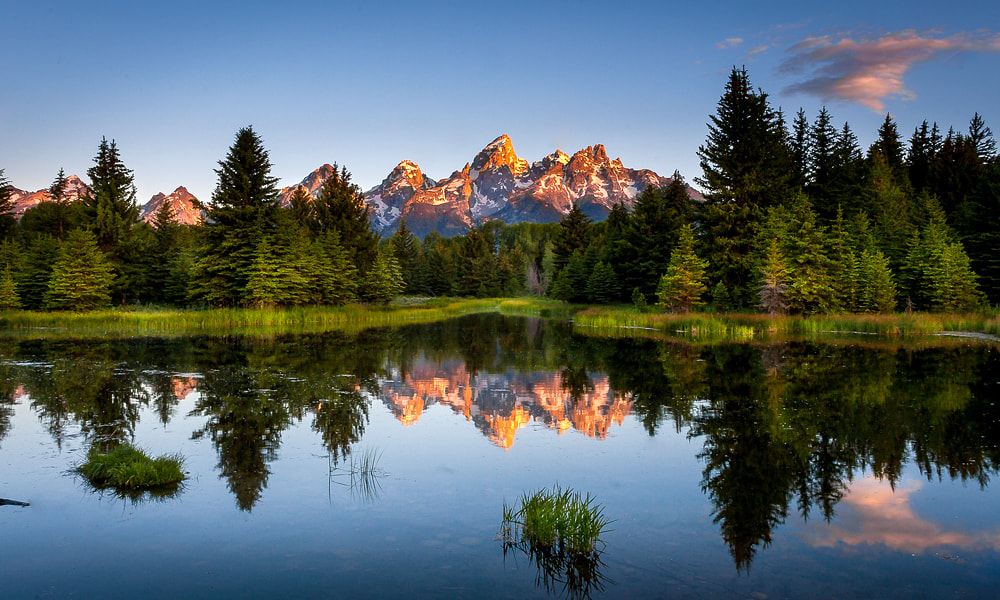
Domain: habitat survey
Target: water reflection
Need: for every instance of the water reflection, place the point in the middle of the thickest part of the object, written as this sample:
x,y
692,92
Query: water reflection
x,y
784,428
884,514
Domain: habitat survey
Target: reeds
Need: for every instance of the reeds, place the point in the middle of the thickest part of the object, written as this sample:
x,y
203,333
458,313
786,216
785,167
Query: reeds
x,y
743,327
561,521
128,469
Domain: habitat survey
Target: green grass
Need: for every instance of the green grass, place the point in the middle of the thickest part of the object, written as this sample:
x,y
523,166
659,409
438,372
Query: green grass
x,y
742,327
258,321
127,469
560,521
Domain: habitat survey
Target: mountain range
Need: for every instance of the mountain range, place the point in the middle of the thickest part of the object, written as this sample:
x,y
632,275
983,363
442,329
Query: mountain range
x,y
495,185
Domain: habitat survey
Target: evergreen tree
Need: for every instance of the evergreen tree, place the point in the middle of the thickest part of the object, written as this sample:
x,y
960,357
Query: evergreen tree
x,y
682,285
8,224
982,138
573,236
919,157
810,270
341,206
242,211
801,148
336,276
848,169
111,208
878,290
889,146
746,168
9,298
891,207
774,280
81,276
980,234
275,277
602,286
41,254
301,205
6,203
937,273
822,164
744,159
384,281
475,265
405,247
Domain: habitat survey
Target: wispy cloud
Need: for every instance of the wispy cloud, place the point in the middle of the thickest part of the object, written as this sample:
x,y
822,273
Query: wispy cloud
x,y
757,49
729,43
870,70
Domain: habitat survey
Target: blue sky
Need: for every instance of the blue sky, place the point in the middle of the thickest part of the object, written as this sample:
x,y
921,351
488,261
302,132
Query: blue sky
x,y
368,84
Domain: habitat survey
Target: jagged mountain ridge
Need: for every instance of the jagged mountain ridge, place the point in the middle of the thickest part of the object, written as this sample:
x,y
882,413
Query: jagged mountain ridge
x,y
497,184
23,200
183,202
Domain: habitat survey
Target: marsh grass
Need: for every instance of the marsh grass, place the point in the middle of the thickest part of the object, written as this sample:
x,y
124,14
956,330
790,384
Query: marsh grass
x,y
556,521
560,531
349,318
362,473
744,327
131,473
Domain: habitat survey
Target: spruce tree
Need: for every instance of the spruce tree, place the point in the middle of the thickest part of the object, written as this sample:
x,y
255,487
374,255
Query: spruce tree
x,y
111,208
6,203
384,280
822,164
61,212
9,298
242,211
801,147
341,206
573,235
336,276
81,276
405,247
746,167
681,287
774,280
982,138
602,286
8,224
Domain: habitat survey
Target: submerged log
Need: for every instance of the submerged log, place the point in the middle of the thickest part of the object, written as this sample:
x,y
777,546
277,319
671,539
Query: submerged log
x,y
6,502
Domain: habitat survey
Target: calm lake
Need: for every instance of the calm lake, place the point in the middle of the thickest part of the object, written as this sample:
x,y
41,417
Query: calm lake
x,y
856,467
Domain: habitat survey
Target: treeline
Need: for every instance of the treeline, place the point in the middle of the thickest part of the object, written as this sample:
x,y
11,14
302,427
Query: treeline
x,y
250,251
797,218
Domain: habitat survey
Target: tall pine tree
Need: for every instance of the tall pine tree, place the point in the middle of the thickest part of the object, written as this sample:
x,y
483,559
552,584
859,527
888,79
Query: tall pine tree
x,y
242,211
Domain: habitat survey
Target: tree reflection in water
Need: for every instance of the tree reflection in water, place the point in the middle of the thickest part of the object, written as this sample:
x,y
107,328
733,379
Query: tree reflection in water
x,y
785,426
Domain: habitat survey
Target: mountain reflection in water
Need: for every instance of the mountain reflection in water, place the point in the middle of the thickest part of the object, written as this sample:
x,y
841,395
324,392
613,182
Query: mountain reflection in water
x,y
783,428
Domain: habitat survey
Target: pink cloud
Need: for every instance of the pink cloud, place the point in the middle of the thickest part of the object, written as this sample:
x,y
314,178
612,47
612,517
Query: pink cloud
x,y
868,71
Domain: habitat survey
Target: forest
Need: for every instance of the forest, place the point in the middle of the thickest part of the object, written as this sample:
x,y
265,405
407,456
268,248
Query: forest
x,y
797,218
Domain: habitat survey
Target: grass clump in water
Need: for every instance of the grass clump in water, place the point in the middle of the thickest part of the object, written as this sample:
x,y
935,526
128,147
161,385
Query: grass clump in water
x,y
560,531
128,470
556,521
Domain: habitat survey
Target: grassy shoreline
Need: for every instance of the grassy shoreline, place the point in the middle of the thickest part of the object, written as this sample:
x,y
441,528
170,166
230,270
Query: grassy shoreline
x,y
591,320
350,318
738,326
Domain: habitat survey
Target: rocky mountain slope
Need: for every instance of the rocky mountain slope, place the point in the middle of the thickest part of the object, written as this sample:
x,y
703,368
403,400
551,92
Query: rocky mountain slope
x,y
23,200
497,184
185,207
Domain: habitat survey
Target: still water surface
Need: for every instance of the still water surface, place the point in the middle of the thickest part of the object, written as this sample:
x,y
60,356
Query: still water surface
x,y
769,470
